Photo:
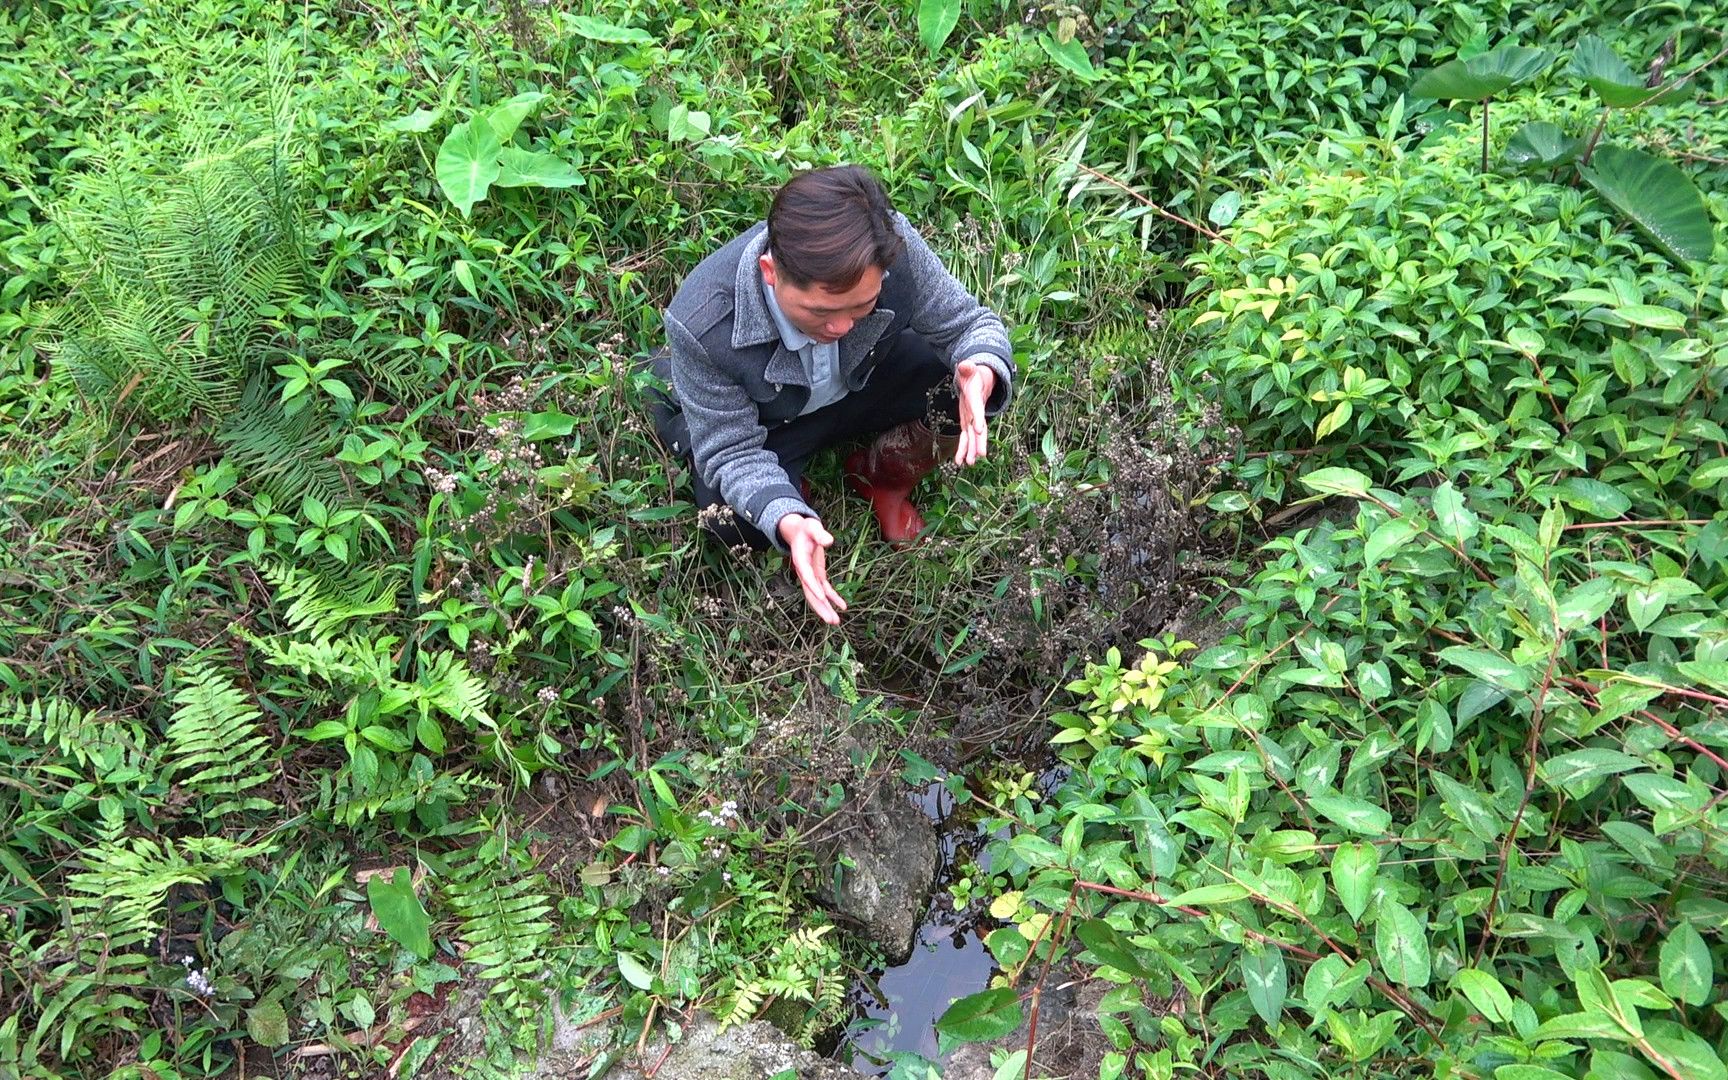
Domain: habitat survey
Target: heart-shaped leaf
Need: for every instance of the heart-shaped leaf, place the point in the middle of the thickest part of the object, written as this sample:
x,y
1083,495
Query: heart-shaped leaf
x,y
1541,145
397,909
531,168
1481,77
600,30
1660,199
468,163
1069,54
506,116
1613,79
936,20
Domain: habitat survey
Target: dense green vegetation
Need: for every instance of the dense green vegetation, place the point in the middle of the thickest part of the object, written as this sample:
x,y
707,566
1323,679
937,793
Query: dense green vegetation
x,y
357,656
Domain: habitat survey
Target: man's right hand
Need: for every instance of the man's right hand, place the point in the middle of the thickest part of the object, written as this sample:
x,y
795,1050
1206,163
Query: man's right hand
x,y
808,543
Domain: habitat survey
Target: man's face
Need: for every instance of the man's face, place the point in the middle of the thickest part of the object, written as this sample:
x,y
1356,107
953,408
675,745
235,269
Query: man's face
x,y
819,311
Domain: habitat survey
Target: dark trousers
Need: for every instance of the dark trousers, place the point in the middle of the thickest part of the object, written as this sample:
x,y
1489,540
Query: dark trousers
x,y
909,383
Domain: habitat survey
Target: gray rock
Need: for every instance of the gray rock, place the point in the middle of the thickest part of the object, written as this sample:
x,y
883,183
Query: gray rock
x,y
757,1051
894,855
1070,1043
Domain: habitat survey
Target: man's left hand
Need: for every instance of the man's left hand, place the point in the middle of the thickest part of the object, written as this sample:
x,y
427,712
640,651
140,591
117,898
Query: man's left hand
x,y
974,384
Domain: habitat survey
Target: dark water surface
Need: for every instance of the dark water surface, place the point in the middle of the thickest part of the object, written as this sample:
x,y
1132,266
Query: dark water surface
x,y
897,1012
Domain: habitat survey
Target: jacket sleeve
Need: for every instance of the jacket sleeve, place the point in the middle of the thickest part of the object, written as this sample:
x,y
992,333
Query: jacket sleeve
x,y
957,326
727,438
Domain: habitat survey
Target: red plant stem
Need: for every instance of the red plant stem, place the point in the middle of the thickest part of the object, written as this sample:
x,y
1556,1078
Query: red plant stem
x,y
1044,973
1409,1007
1531,749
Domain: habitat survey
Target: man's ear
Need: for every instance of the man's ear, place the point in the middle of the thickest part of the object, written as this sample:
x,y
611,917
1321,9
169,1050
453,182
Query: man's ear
x,y
766,262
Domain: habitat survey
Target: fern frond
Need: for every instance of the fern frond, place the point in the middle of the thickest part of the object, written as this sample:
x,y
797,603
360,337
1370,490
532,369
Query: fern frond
x,y
216,749
745,1004
116,899
287,457
319,608
503,917
110,747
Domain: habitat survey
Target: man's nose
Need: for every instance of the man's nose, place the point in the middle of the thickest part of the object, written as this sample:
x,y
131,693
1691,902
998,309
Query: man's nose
x,y
837,327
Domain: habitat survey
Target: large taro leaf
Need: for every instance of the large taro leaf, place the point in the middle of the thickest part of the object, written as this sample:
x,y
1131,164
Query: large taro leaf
x,y
1481,77
1542,145
936,20
1658,198
468,162
530,168
1614,80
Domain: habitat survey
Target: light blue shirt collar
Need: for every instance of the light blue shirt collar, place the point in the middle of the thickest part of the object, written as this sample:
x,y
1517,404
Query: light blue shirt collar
x,y
793,338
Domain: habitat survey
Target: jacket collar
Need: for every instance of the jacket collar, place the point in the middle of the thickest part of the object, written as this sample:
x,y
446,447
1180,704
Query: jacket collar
x,y
752,322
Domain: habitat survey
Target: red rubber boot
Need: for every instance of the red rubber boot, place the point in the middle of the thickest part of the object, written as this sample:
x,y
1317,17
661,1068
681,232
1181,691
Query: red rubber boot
x,y
889,469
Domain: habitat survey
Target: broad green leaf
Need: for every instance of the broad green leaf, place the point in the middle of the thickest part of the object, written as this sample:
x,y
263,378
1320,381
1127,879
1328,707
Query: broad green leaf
x,y
600,30
1335,480
1528,1072
1652,316
506,116
1711,673
936,20
1593,497
1111,946
551,424
684,124
267,1024
1687,973
1662,792
1658,198
1455,521
635,972
1686,1052
415,122
1401,945
1612,78
1541,145
1486,994
1589,1024
1489,667
1330,981
399,913
1225,208
1575,772
468,163
1710,473
1152,836
1390,538
1353,870
1482,76
1070,54
1585,603
1469,807
1265,979
1208,894
1354,814
980,1017
532,168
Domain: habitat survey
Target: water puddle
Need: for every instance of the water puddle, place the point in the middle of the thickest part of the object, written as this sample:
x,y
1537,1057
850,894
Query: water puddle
x,y
898,1007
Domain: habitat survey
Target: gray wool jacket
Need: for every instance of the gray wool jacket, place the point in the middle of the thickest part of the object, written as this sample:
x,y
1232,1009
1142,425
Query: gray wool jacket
x,y
733,378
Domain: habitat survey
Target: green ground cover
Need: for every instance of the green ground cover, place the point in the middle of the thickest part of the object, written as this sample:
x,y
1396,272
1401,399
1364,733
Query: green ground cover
x,y
355,650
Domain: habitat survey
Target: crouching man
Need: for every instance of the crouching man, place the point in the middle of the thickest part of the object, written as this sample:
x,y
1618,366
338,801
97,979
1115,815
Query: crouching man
x,y
829,322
